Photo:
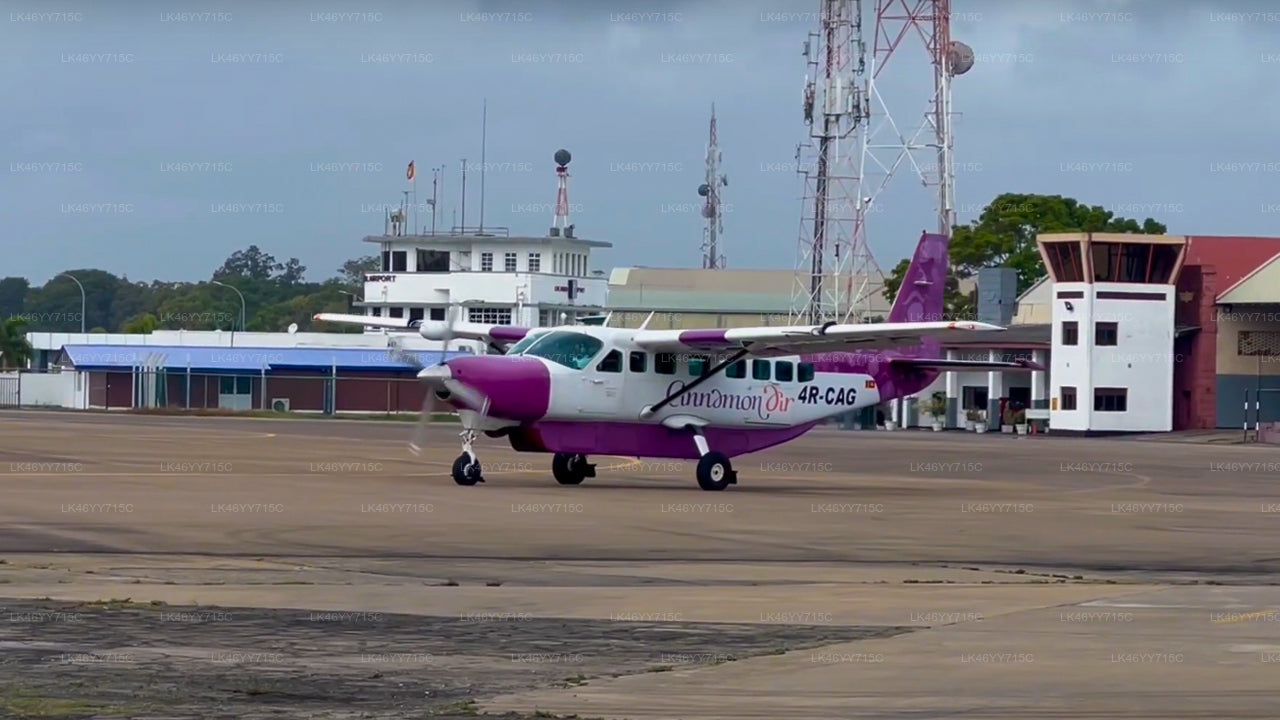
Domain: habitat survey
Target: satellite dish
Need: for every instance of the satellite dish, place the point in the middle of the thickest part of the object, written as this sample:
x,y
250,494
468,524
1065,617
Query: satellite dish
x,y
704,190
293,328
563,157
960,57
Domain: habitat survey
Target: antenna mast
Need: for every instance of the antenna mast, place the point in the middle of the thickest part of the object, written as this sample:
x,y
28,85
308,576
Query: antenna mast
x,y
484,136
832,255
464,195
712,259
560,226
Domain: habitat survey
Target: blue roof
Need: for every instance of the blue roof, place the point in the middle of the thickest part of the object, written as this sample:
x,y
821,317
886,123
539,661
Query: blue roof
x,y
241,359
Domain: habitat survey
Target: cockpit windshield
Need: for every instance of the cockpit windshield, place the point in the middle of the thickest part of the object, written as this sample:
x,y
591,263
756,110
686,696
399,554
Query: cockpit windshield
x,y
524,343
571,349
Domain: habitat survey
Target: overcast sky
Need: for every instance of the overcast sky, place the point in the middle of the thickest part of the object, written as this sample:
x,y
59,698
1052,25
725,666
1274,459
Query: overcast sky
x,y
296,121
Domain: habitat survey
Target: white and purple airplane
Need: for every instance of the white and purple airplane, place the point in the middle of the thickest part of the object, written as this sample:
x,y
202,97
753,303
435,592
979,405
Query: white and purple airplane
x,y
705,395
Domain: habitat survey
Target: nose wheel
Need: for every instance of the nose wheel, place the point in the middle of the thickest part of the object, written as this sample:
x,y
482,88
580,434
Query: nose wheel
x,y
571,469
466,468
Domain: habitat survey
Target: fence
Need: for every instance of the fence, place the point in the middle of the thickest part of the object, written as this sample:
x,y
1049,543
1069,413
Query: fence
x,y
320,392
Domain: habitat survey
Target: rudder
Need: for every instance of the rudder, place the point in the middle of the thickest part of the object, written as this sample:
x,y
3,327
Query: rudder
x,y
921,296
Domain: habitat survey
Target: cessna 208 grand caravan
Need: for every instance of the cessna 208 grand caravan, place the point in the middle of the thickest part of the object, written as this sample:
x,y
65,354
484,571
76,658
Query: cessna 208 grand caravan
x,y
706,395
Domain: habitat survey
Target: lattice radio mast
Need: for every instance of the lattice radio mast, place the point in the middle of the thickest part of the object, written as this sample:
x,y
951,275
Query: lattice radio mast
x,y
712,258
833,256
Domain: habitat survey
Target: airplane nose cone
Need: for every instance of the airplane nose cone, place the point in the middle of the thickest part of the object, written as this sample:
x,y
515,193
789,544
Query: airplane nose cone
x,y
518,388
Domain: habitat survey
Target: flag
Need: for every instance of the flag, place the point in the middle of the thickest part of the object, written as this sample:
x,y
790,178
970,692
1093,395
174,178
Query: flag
x,y
409,172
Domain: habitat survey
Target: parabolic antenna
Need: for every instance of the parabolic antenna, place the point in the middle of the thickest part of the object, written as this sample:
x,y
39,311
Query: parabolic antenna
x,y
704,189
563,156
960,57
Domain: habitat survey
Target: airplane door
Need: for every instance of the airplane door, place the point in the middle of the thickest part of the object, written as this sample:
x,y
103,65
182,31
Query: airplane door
x,y
602,386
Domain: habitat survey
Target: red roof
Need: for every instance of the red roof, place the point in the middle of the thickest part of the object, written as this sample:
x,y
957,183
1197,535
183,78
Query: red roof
x,y
1232,256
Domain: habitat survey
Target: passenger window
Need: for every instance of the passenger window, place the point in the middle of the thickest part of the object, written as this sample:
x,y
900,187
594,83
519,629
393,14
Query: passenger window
x,y
664,363
697,366
638,361
612,363
805,372
782,373
736,370
760,369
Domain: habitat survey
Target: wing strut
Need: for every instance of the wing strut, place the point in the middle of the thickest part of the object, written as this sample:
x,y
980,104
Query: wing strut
x,y
649,411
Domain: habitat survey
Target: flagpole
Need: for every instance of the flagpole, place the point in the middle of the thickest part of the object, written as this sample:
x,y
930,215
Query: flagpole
x,y
415,203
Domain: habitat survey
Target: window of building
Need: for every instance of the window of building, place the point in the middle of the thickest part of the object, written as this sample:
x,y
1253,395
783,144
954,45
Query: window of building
x,y
535,262
415,315
1110,399
1105,333
736,370
639,360
698,365
664,363
509,262
1265,343
804,373
396,312
399,260
784,371
433,260
760,369
377,312
973,397
437,313
612,363
386,261
1068,397
489,315
1070,332
486,262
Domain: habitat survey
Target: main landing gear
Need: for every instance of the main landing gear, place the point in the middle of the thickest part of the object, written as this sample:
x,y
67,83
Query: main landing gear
x,y
466,468
571,469
715,472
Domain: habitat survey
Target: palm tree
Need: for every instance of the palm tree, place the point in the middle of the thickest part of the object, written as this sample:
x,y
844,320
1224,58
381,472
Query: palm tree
x,y
15,351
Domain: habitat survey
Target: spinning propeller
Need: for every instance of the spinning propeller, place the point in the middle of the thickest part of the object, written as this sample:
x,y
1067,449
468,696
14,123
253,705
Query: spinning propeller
x,y
440,383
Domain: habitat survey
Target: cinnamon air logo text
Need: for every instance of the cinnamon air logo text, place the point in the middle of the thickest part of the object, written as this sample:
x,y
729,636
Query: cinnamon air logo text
x,y
763,405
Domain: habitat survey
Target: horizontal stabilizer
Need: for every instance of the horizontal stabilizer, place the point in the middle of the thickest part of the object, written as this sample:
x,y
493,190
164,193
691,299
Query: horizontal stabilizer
x,y
365,320
938,364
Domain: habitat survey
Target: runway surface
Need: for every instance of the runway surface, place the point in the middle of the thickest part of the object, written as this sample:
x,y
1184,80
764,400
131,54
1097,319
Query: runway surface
x,y
864,574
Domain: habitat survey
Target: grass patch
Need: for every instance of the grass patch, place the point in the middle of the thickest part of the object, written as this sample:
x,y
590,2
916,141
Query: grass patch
x,y
21,704
462,707
125,604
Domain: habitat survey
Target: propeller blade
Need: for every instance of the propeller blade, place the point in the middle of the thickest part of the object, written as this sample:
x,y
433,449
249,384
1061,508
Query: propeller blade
x,y
419,441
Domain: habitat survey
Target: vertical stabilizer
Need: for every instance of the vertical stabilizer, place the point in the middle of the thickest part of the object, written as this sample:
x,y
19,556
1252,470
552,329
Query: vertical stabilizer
x,y
920,299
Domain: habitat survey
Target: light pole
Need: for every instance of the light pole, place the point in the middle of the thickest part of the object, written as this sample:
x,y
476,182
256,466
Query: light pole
x,y
354,299
82,303
215,282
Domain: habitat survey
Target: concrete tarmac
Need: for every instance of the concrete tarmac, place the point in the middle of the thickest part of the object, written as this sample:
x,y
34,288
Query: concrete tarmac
x,y
1041,576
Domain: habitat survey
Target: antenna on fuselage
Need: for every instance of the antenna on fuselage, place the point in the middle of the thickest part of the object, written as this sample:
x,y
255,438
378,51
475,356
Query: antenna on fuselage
x,y
645,324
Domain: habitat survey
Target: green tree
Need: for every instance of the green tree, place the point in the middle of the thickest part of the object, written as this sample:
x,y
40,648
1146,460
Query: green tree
x,y
353,271
15,350
143,324
1004,235
251,263
13,296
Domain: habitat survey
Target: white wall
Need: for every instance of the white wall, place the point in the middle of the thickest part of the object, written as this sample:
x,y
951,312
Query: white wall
x,y
1141,361
498,288
65,389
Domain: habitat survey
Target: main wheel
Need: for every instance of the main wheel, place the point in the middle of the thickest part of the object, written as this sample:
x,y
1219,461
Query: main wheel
x,y
568,469
466,471
714,471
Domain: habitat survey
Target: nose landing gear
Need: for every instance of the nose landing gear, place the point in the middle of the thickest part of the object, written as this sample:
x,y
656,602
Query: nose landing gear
x,y
466,468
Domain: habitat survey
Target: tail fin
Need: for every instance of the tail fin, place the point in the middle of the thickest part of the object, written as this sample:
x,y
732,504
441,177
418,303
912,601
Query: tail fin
x,y
920,298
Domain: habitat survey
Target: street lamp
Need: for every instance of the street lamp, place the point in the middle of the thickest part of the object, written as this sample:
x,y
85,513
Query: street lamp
x,y
82,303
354,299
215,282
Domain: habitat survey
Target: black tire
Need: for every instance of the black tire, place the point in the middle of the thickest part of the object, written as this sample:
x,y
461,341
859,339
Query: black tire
x,y
466,472
567,468
715,472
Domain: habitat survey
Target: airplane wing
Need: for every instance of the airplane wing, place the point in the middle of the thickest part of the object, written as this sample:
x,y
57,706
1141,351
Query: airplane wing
x,y
434,329
797,340
924,364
